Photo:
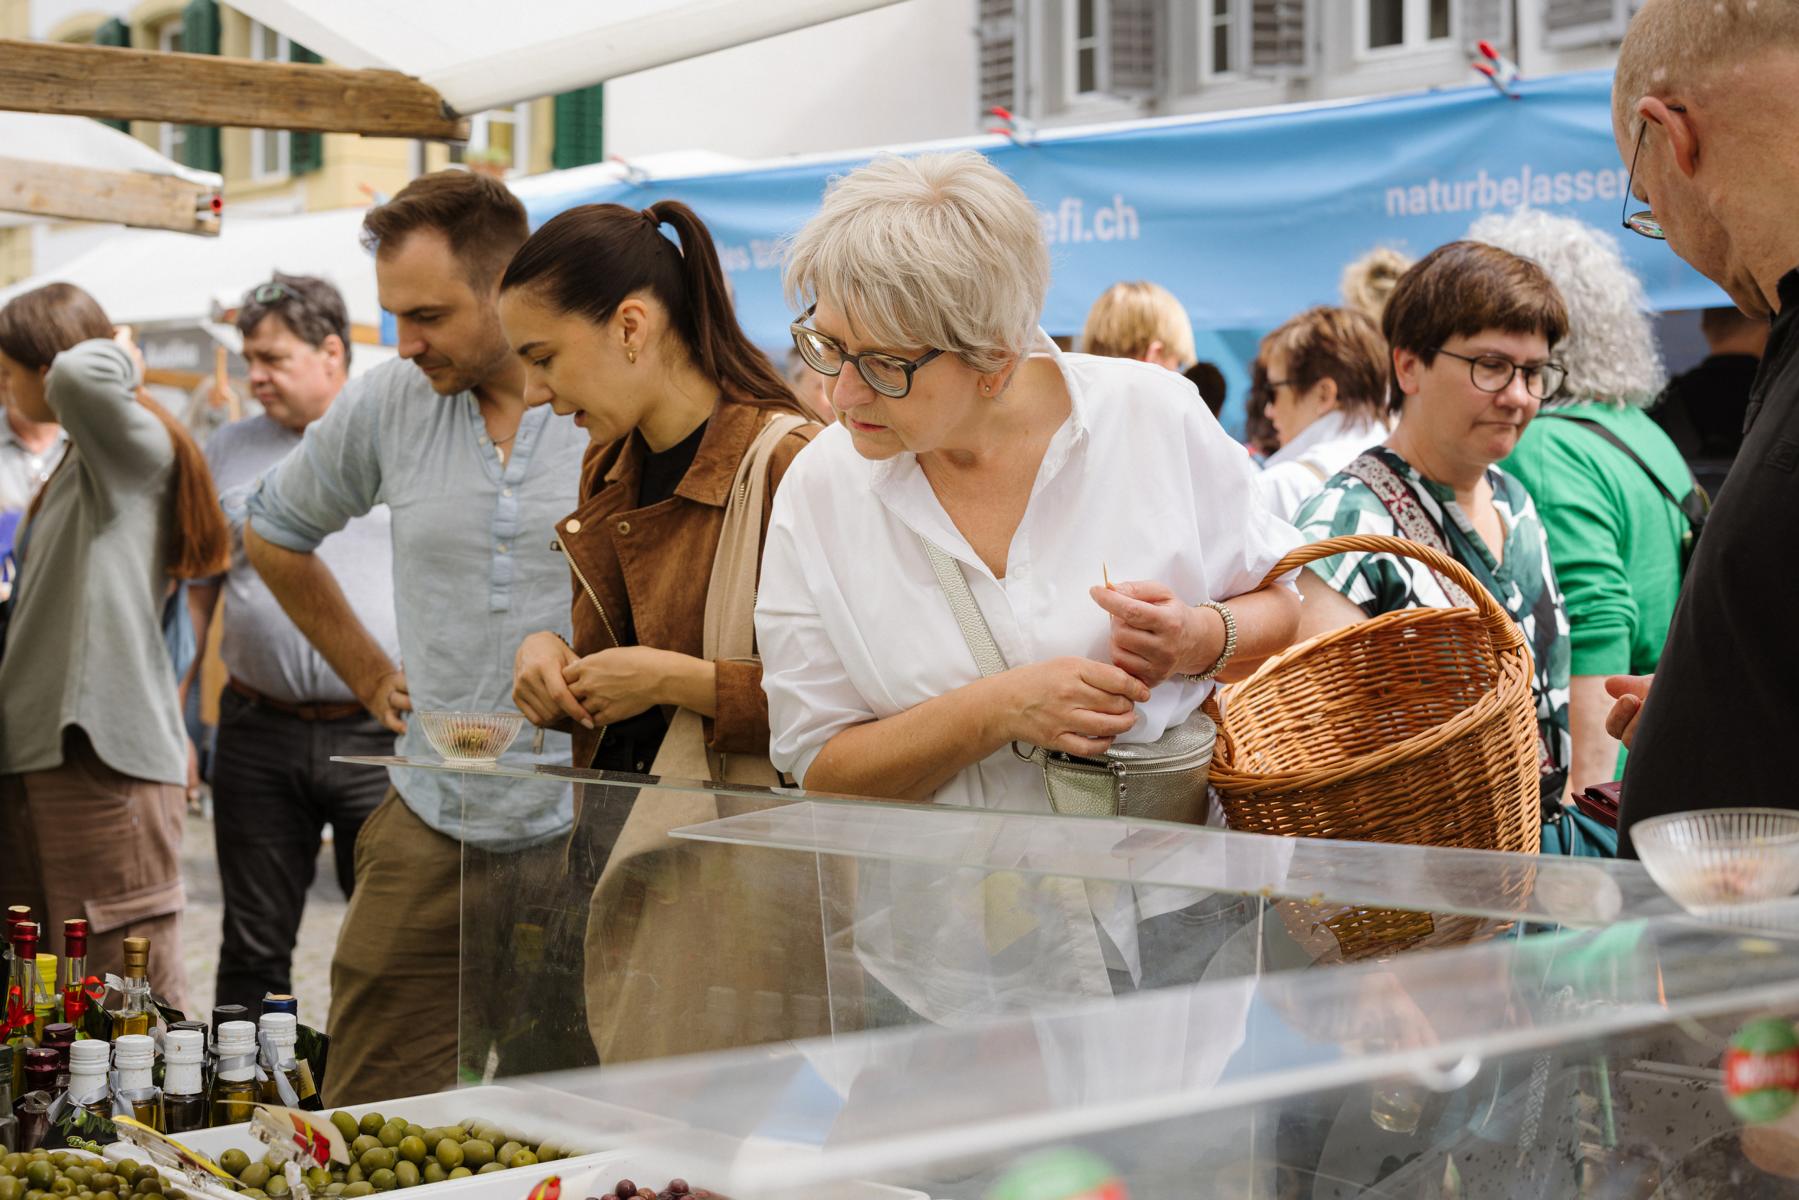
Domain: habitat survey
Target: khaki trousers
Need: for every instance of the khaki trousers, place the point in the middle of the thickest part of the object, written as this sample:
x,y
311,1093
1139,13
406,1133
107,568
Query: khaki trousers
x,y
410,985
82,840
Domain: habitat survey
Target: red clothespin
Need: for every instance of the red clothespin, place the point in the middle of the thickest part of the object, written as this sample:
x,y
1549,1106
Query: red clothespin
x,y
1019,129
1499,70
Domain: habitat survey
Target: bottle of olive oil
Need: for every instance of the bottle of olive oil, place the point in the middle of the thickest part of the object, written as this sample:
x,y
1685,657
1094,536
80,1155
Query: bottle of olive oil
x,y
88,1088
183,1093
135,1011
21,991
134,1058
280,1034
233,1097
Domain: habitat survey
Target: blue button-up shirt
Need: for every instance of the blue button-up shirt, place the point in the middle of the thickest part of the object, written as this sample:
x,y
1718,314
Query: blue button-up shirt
x,y
474,572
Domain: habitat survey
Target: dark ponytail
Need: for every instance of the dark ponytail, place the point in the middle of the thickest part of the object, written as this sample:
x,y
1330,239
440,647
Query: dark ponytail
x,y
587,260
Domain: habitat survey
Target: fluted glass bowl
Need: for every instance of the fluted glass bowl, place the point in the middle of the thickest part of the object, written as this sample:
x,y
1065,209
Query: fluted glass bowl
x,y
1721,857
471,737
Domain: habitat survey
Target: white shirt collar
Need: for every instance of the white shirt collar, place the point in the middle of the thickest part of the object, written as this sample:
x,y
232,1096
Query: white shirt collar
x,y
1328,428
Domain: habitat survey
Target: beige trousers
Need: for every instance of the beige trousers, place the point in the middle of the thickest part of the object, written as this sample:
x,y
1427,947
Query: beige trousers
x,y
82,840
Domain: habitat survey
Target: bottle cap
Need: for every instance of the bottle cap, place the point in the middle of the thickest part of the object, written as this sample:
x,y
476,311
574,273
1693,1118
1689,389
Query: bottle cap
x,y
235,1037
137,956
134,1052
46,972
16,913
198,1027
183,1047
280,1027
89,1055
74,937
228,1012
24,940
280,1002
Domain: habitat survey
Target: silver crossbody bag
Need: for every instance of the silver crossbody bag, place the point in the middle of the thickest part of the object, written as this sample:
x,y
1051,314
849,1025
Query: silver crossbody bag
x,y
1163,780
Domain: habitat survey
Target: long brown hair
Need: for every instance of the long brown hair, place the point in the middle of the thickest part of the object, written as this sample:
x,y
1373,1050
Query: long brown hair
x,y
587,260
37,326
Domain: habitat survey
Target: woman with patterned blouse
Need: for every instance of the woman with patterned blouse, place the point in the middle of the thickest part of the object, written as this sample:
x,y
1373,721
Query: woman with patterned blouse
x,y
1470,330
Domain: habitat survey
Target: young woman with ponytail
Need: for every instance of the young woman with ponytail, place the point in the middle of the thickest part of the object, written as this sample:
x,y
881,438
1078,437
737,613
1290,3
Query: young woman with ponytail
x,y
692,429
93,756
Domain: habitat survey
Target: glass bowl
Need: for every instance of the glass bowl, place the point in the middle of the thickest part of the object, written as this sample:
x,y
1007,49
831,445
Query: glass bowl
x,y
471,737
1721,857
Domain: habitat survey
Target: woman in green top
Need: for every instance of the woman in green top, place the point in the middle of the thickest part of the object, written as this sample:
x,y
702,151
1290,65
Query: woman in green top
x,y
1470,330
1607,481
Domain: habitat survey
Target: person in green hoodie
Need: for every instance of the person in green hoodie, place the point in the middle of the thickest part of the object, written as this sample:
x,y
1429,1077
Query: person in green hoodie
x,y
1608,483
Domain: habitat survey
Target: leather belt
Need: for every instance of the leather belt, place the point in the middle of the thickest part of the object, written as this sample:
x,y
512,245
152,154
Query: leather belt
x,y
304,712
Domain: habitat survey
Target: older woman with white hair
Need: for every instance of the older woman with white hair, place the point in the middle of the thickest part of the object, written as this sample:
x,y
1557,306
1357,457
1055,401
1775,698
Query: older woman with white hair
x,y
1616,499
966,436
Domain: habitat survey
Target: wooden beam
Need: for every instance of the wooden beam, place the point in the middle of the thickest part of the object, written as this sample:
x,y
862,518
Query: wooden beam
x,y
134,198
204,89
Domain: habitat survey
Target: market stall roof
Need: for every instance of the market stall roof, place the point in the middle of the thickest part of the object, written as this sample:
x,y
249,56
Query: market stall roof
x,y
58,167
478,61
144,277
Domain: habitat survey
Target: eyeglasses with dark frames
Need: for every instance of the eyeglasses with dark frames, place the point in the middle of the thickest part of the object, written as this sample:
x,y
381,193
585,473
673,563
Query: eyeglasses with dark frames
x,y
888,374
1644,222
1493,374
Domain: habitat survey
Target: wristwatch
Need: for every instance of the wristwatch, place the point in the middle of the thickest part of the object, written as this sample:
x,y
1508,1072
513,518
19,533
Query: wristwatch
x,y
1230,642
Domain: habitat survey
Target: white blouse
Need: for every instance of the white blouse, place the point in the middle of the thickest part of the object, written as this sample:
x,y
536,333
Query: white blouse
x,y
853,627
1297,472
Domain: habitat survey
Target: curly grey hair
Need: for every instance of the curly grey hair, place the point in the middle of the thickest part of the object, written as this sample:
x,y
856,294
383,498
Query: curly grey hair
x,y
1610,351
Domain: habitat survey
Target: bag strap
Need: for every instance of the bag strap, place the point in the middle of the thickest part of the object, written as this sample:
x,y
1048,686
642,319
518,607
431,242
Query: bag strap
x,y
1694,506
1414,523
730,625
967,611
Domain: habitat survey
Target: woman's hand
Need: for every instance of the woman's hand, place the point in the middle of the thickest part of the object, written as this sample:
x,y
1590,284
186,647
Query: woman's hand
x,y
538,687
1631,692
1156,634
615,685
1074,705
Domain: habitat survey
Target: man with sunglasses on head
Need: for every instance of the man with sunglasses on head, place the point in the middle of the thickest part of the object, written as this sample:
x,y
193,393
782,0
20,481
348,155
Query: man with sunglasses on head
x,y
1705,108
284,712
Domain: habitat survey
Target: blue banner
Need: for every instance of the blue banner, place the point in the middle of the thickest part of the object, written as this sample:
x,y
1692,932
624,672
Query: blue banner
x,y
1247,218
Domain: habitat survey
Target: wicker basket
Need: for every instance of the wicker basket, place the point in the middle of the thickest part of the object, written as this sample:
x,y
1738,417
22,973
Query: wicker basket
x,y
1417,726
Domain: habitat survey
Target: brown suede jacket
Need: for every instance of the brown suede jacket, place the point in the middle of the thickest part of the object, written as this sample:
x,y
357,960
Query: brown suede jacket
x,y
655,563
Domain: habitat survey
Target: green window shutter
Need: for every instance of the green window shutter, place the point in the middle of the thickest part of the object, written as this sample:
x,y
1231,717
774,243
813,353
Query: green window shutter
x,y
580,128
200,35
308,149
114,33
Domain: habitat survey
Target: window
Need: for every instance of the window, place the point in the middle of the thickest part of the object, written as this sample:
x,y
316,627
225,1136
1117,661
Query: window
x,y
1090,21
1220,22
1405,24
270,149
171,138
498,138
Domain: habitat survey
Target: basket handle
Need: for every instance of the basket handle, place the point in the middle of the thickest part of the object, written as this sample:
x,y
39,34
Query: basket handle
x,y
1501,629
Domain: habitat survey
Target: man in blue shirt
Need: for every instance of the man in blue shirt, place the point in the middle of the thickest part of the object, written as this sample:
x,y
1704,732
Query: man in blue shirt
x,y
474,482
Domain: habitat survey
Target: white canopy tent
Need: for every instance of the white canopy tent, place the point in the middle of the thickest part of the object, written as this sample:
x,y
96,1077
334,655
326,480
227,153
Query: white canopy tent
x,y
479,58
57,167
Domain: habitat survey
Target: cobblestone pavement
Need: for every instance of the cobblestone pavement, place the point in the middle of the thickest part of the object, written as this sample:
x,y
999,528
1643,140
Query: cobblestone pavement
x,y
205,908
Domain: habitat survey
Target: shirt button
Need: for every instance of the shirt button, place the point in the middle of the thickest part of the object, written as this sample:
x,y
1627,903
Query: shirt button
x,y
573,526
624,527
502,547
507,492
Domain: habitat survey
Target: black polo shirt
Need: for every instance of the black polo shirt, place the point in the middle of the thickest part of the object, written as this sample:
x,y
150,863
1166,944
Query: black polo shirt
x,y
1722,720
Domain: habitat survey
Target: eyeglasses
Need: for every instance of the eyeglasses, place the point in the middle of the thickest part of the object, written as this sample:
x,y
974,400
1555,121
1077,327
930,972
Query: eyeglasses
x,y
1644,222
1491,373
887,374
270,293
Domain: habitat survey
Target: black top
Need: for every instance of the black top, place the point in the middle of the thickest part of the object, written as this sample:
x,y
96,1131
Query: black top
x,y
631,744
1726,694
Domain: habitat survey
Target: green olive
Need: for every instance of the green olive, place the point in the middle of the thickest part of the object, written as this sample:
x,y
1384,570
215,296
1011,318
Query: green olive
x,y
81,1175
449,1153
524,1158
106,1194
277,1187
355,1174
363,1145
254,1175
408,1174
148,1183
477,1153
412,1149
461,1173
62,1187
40,1175
11,1188
392,1134
384,1180
233,1162
335,1189
434,1172
378,1159
346,1125
371,1123
127,1170
318,1179
256,1194
365,1188
490,1168
13,1163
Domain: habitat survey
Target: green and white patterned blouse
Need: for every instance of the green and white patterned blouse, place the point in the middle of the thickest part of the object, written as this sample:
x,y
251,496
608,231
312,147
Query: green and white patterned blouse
x,y
1523,581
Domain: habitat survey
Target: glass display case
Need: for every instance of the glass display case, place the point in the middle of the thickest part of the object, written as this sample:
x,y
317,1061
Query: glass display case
x,y
683,918
1650,1059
